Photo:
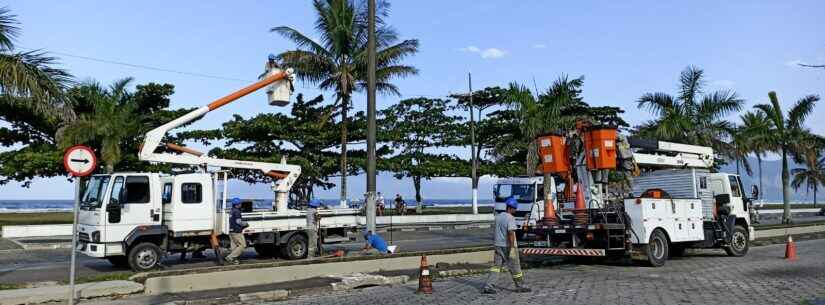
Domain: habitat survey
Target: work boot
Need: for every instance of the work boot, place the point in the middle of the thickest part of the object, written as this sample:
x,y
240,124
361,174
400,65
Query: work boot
x,y
523,289
488,290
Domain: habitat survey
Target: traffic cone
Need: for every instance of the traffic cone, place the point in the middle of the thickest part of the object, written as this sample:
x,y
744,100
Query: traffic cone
x,y
580,209
790,249
549,211
425,280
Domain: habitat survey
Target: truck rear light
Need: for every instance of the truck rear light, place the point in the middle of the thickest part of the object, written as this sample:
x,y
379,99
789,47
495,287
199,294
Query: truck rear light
x,y
638,200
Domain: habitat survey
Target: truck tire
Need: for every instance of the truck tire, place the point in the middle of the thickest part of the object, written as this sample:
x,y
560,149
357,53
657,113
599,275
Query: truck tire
x,y
295,247
266,250
120,261
739,242
657,249
144,257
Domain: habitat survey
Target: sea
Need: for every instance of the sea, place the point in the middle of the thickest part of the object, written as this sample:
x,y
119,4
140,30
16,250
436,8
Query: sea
x,y
43,206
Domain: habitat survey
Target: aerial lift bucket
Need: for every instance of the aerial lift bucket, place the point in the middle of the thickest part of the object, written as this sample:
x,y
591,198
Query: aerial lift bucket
x,y
278,92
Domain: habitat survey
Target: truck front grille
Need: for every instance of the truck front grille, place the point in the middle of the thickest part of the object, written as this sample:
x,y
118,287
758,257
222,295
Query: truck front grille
x,y
83,236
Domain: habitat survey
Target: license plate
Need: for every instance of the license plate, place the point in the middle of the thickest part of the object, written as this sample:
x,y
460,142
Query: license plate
x,y
561,231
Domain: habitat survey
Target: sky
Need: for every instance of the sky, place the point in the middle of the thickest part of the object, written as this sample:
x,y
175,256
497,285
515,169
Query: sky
x,y
623,48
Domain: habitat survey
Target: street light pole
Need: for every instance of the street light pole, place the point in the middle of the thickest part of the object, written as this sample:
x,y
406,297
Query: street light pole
x,y
473,146
371,128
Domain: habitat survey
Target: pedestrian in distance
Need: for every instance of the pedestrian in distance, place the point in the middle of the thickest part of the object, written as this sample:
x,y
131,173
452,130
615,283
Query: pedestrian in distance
x,y
504,242
313,224
379,205
400,205
236,226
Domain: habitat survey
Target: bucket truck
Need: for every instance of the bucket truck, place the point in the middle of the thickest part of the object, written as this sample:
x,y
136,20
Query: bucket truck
x,y
617,196
135,219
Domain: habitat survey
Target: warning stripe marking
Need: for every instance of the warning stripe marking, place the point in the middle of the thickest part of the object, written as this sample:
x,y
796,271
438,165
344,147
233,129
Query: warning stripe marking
x,y
563,252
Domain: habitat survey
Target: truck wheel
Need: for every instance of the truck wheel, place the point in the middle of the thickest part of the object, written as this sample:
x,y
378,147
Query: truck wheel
x,y
120,261
266,250
739,242
657,249
144,257
295,247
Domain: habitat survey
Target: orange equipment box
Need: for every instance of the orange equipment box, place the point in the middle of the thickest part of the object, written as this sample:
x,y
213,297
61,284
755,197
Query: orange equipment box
x,y
553,154
601,148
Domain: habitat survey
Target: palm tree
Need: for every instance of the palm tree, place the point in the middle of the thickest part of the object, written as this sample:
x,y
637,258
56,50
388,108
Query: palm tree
x,y
812,175
787,135
692,117
755,126
338,60
30,77
111,122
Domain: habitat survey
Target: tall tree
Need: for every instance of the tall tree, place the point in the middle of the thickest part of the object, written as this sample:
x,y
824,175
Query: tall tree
x,y
483,100
414,125
112,121
788,136
30,78
692,116
812,175
755,128
338,60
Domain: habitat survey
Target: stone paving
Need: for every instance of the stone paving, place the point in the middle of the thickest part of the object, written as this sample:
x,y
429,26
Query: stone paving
x,y
703,277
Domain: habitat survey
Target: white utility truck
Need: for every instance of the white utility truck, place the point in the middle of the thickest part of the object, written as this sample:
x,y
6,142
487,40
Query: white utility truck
x,y
135,219
668,199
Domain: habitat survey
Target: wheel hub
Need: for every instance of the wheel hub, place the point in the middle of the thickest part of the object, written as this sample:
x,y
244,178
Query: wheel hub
x,y
146,258
739,241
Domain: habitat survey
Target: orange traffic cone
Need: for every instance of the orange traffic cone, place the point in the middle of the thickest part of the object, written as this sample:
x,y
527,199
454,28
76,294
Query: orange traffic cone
x,y
790,249
549,211
425,280
580,209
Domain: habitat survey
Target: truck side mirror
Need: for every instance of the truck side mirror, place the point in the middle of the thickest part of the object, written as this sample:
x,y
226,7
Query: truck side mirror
x,y
754,192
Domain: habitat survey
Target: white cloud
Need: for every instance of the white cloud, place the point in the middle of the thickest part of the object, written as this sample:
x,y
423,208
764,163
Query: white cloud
x,y
795,63
493,53
489,53
723,83
470,49
539,46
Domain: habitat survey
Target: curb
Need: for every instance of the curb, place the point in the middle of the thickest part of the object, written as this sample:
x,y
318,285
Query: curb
x,y
265,296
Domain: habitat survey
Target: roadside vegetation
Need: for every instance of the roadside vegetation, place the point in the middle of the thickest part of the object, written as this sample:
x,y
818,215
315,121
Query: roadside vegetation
x,y
11,219
43,109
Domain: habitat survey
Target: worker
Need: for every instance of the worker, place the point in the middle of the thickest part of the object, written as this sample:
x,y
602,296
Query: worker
x,y
271,63
236,227
374,244
504,241
313,222
379,205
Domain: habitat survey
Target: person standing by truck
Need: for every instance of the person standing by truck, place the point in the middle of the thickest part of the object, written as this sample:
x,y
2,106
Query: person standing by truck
x,y
504,241
236,227
313,222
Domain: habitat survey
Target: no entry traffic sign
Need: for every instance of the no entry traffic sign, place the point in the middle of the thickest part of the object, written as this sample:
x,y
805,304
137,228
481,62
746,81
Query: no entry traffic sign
x,y
79,160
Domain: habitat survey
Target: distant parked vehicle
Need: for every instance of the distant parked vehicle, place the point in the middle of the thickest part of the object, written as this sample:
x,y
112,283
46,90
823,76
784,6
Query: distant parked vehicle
x,y
821,212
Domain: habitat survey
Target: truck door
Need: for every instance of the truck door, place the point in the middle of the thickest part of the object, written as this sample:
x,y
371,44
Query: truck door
x,y
131,206
737,197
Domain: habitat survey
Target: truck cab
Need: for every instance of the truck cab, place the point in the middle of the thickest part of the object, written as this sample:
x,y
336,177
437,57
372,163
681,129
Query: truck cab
x,y
528,192
123,210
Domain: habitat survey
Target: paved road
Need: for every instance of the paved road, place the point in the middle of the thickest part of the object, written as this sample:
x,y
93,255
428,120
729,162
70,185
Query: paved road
x,y
26,266
708,277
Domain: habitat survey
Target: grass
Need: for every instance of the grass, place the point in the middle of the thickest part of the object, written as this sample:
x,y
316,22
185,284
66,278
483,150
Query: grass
x,y
115,276
4,286
34,218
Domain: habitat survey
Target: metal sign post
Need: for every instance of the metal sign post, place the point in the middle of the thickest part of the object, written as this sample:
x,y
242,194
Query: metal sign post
x,y
79,161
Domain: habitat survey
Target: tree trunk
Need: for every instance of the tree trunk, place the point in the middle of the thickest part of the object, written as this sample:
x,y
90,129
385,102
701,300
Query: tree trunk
x,y
786,189
761,189
815,189
417,185
344,119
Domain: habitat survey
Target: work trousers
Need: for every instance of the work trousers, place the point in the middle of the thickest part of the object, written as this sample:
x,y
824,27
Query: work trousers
x,y
237,242
501,261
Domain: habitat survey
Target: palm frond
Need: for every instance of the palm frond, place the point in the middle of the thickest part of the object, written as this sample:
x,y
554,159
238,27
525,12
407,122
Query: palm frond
x,y
301,41
800,111
657,103
33,74
719,105
309,66
690,84
9,29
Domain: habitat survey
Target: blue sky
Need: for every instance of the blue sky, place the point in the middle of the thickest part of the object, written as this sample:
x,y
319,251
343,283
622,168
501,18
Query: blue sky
x,y
623,49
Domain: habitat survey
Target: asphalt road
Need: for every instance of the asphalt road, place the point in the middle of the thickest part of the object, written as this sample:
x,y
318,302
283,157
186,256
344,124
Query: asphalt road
x,y
705,277
27,266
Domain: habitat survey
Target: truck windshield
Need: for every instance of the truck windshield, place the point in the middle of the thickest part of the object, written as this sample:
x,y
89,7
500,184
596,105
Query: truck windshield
x,y
523,192
93,195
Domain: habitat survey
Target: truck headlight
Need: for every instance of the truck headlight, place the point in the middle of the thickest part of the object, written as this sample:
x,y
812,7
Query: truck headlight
x,y
96,236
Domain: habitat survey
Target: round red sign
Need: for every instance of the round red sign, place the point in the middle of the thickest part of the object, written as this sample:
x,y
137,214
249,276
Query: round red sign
x,y
79,161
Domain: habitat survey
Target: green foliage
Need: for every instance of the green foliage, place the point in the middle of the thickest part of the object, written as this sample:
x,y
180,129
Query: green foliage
x,y
691,117
413,125
788,136
307,136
